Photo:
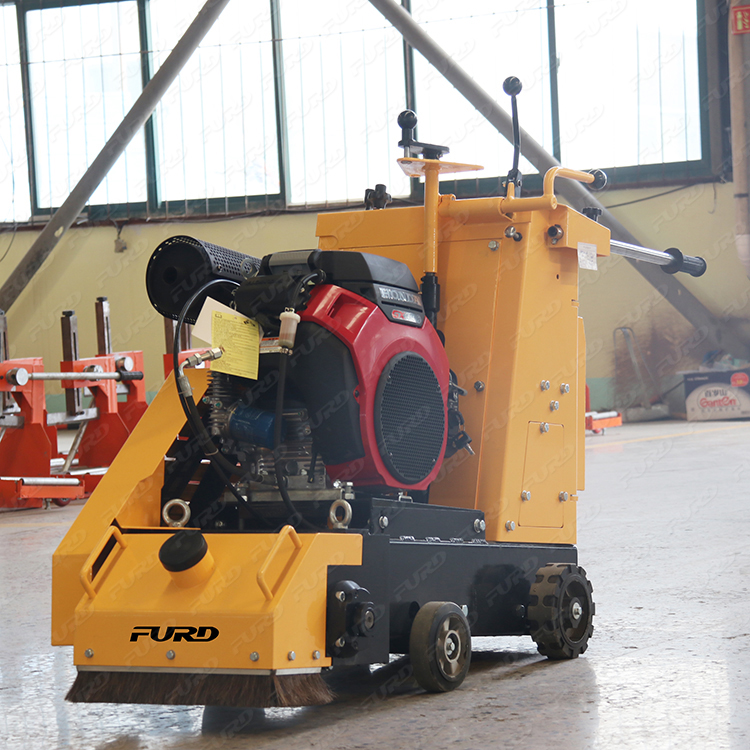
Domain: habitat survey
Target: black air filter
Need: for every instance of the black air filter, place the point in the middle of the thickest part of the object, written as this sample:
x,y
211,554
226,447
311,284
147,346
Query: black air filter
x,y
409,417
181,265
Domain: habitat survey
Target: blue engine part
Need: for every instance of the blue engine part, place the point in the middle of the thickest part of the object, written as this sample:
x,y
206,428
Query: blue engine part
x,y
255,426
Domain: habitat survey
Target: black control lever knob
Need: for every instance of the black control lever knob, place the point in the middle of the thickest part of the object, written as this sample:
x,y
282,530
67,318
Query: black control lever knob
x,y
407,120
512,86
591,212
600,179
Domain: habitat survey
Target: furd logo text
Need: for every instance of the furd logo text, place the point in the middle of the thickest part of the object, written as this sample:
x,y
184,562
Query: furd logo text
x,y
177,634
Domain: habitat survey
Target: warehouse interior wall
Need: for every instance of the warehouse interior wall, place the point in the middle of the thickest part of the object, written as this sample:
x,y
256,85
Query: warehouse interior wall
x,y
698,219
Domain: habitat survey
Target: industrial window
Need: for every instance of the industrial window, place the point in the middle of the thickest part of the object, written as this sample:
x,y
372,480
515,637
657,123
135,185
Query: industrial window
x,y
14,177
643,105
484,37
344,86
215,127
81,86
612,84
293,103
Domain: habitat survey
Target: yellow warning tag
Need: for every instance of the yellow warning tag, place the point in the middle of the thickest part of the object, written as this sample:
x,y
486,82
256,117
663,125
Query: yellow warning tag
x,y
238,338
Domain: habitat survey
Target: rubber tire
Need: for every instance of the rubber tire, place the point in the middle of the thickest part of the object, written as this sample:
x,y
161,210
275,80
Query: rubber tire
x,y
61,502
555,630
429,657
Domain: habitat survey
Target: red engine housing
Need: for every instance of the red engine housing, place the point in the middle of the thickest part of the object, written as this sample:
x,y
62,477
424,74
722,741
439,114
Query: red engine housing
x,y
401,430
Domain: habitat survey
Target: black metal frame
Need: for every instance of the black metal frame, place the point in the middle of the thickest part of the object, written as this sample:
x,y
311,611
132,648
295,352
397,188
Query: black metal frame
x,y
402,574
155,208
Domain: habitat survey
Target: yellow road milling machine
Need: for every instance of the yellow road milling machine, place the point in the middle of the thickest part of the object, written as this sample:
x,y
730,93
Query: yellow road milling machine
x,y
359,465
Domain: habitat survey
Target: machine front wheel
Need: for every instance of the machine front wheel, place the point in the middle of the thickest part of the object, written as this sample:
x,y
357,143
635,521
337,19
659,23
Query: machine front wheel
x,y
440,647
561,609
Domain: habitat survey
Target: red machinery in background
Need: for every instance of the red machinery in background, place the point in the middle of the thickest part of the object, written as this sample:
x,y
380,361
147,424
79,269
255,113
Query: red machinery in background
x,y
598,421
33,471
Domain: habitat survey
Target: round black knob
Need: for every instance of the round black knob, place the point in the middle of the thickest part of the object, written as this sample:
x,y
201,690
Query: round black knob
x,y
600,179
591,212
512,86
407,119
182,550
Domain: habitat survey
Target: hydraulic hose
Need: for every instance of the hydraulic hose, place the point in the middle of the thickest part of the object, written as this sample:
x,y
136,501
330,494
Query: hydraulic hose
x,y
223,468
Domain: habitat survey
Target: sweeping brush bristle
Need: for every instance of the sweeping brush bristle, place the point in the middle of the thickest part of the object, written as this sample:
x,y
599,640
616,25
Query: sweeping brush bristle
x,y
174,689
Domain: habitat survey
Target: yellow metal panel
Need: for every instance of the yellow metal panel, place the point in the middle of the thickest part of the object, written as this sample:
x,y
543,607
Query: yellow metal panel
x,y
468,269
130,492
469,273
542,479
581,410
138,592
534,342
577,228
357,229
510,318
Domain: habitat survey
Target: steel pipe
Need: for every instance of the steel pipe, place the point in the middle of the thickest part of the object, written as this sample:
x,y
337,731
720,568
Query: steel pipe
x,y
86,375
636,252
50,481
19,376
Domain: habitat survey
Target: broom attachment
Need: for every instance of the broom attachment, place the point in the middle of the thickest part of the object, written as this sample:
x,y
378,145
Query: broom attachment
x,y
207,689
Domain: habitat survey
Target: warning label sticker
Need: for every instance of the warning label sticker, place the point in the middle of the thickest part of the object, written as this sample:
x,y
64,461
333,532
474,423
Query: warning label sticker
x,y
587,256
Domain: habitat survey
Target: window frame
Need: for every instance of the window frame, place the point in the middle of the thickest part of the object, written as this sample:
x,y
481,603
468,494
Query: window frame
x,y
710,167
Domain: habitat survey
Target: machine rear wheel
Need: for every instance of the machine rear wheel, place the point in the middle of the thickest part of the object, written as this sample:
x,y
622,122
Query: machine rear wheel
x,y
440,647
561,609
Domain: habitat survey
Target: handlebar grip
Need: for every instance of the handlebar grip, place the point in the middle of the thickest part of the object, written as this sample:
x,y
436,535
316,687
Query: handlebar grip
x,y
691,264
134,375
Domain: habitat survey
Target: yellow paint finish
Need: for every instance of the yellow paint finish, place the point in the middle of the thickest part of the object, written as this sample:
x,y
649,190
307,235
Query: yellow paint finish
x,y
137,591
469,272
195,576
355,230
571,174
545,453
129,492
577,228
431,199
535,339
510,317
581,408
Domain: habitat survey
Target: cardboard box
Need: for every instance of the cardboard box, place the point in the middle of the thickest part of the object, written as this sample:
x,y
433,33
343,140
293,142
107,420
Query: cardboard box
x,y
720,394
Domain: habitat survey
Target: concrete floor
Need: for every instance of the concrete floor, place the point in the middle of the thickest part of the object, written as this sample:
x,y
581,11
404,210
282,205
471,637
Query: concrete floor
x,y
663,534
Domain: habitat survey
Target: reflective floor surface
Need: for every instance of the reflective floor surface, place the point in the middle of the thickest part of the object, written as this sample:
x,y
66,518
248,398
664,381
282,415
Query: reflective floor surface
x,y
663,533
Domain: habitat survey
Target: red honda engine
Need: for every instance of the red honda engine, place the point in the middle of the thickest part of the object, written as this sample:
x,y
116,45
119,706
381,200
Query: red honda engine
x,y
370,370
366,394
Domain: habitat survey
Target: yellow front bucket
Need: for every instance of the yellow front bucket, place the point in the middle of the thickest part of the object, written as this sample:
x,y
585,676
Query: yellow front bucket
x,y
260,607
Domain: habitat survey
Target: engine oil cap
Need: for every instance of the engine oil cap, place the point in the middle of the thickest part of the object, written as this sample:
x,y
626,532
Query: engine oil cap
x,y
183,550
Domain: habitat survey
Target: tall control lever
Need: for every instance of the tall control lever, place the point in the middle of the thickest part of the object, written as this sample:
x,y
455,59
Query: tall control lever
x,y
512,87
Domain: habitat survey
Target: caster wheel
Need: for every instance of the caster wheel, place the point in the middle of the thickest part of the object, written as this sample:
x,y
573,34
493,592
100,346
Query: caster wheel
x,y
440,647
61,502
560,611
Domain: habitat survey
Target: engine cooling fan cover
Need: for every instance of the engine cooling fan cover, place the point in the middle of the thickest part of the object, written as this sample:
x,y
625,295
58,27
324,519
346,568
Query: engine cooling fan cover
x,y
409,417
